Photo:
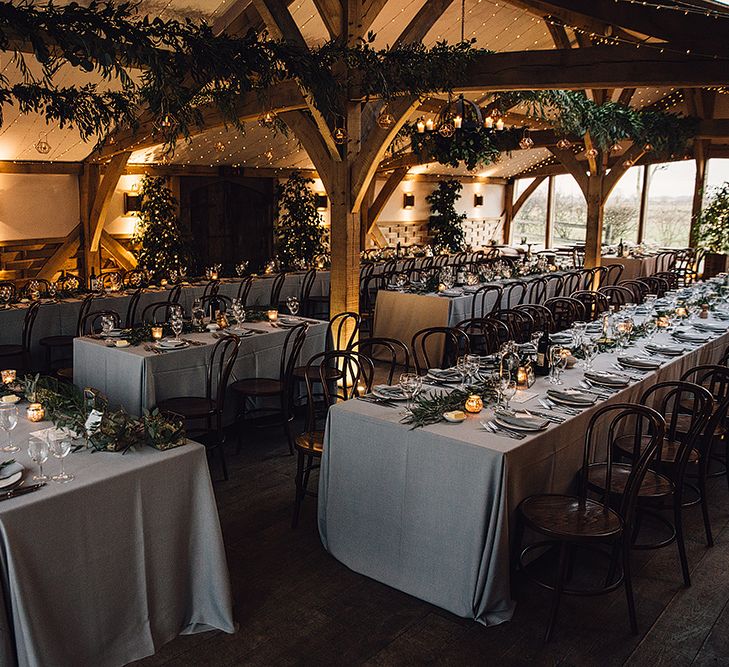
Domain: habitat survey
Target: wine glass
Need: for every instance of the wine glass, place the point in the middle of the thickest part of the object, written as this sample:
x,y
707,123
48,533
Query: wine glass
x,y
107,324
198,312
292,303
473,364
52,290
8,421
462,367
507,387
589,350
557,362
409,384
38,453
59,447
650,328
173,276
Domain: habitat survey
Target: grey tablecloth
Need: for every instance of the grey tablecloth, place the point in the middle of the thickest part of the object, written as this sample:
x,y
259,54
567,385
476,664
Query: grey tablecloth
x,y
428,511
107,568
136,379
633,267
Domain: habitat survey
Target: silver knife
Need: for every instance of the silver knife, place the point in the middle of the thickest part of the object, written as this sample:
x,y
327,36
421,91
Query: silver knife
x,y
21,491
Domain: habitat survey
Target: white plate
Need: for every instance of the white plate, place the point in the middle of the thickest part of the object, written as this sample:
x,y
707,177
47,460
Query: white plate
x,y
574,404
449,417
530,429
115,333
12,480
171,344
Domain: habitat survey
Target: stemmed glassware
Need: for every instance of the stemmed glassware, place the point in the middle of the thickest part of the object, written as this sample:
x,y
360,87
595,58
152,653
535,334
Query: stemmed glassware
x,y
589,350
557,363
409,384
52,290
8,421
176,322
238,312
463,368
107,324
5,295
507,389
59,447
38,453
198,312
650,328
241,268
292,303
473,364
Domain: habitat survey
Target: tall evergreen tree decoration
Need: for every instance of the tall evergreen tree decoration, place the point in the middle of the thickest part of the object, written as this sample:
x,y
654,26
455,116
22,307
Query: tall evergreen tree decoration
x,y
299,233
714,222
161,245
445,224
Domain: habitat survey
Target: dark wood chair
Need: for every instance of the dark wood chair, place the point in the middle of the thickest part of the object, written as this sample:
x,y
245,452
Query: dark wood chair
x,y
571,282
244,289
665,261
639,289
21,351
369,289
54,344
158,312
687,408
542,319
618,296
91,322
208,409
280,387
670,278
537,292
451,343
485,334
173,296
655,285
580,521
599,277
565,311
306,305
594,303
554,286
514,293
481,306
216,302
396,353
132,307
359,371
276,286
519,323
211,288
614,271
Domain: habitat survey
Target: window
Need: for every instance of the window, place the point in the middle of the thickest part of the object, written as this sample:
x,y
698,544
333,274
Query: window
x,y
716,175
622,209
570,212
670,196
530,221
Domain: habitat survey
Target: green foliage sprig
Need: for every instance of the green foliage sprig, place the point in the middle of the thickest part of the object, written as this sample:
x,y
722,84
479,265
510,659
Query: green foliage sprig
x,y
428,409
445,224
713,234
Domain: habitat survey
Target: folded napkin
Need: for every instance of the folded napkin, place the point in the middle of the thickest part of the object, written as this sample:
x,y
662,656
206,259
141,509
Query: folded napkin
x,y
10,469
571,396
718,315
471,289
691,337
561,338
608,379
639,362
444,374
450,292
710,326
671,350
523,420
388,390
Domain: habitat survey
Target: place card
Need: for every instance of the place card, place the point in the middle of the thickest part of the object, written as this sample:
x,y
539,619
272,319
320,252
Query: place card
x,y
523,396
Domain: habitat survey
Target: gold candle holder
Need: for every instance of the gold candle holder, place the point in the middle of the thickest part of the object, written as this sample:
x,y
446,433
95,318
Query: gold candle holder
x,y
157,333
474,404
8,376
35,412
213,275
681,311
272,315
663,322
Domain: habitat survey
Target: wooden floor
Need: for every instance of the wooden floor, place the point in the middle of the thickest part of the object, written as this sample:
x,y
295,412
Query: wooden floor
x,y
297,605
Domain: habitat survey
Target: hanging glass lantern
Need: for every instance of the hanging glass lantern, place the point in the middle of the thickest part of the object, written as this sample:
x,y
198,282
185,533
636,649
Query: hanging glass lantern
x,y
340,135
564,143
42,145
267,119
461,114
385,120
166,121
447,129
526,141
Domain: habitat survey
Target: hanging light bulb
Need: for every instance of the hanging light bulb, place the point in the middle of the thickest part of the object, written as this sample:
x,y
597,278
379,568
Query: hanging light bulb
x,y
526,141
219,146
591,152
340,135
267,119
166,121
446,130
385,120
42,145
648,147
564,143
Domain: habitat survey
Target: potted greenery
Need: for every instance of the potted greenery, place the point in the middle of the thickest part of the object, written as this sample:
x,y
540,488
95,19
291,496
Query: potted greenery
x,y
445,225
713,232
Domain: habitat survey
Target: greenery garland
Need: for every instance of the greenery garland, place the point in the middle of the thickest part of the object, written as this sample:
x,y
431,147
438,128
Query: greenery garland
x,y
713,229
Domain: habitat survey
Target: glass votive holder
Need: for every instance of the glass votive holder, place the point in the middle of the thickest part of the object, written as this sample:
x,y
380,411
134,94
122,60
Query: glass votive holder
x,y
157,333
35,412
8,376
272,315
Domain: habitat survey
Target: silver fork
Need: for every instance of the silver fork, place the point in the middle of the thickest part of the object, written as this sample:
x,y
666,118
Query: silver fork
x,y
498,430
553,406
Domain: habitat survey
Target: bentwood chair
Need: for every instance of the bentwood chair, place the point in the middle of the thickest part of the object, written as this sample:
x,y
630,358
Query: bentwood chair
x,y
91,322
519,323
485,334
359,372
654,285
638,288
219,302
392,351
542,319
451,342
617,295
174,294
244,289
614,271
272,388
565,311
571,282
206,412
670,277
514,293
158,311
486,301
554,286
276,286
687,408
594,303
599,525
54,344
537,292
305,302
21,351
211,288
131,316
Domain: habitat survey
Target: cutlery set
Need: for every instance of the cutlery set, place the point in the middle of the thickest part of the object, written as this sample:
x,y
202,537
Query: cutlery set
x,y
498,429
20,491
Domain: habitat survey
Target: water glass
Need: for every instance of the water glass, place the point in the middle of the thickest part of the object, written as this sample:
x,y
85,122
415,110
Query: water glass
x,y
409,384
107,324
557,362
38,453
589,350
507,388
292,303
198,312
59,447
8,421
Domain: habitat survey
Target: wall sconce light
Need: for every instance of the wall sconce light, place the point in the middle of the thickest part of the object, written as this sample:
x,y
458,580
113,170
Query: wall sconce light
x,y
131,203
322,202
478,200
408,200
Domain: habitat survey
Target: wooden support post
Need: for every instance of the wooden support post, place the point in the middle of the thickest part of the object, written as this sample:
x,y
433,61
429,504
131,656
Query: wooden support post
x,y
595,210
548,231
508,214
88,186
699,185
643,203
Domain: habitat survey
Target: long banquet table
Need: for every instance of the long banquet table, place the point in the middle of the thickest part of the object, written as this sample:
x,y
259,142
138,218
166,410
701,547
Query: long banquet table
x,y
429,511
136,378
105,569
633,267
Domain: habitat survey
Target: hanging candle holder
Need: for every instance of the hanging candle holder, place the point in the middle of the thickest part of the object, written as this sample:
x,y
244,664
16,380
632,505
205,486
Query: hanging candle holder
x,y
340,135
267,119
42,145
385,120
564,143
526,141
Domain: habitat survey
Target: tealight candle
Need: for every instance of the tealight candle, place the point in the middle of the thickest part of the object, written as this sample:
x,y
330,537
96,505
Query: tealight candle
x,y
8,376
213,275
429,124
272,315
663,322
681,311
157,333
521,376
441,287
35,412
474,404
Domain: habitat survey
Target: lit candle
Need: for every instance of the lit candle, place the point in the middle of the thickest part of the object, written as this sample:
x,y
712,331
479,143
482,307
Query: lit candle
x,y
8,376
157,333
681,311
35,412
421,126
500,124
213,275
272,315
457,122
521,376
488,123
474,404
429,124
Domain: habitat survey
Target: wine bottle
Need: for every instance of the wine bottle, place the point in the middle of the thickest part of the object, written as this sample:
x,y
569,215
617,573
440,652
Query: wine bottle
x,y
621,249
93,280
541,367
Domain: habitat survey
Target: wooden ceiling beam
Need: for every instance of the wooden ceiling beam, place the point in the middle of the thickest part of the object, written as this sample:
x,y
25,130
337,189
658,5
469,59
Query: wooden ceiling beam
x,y
332,15
422,22
383,196
102,199
20,167
528,192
